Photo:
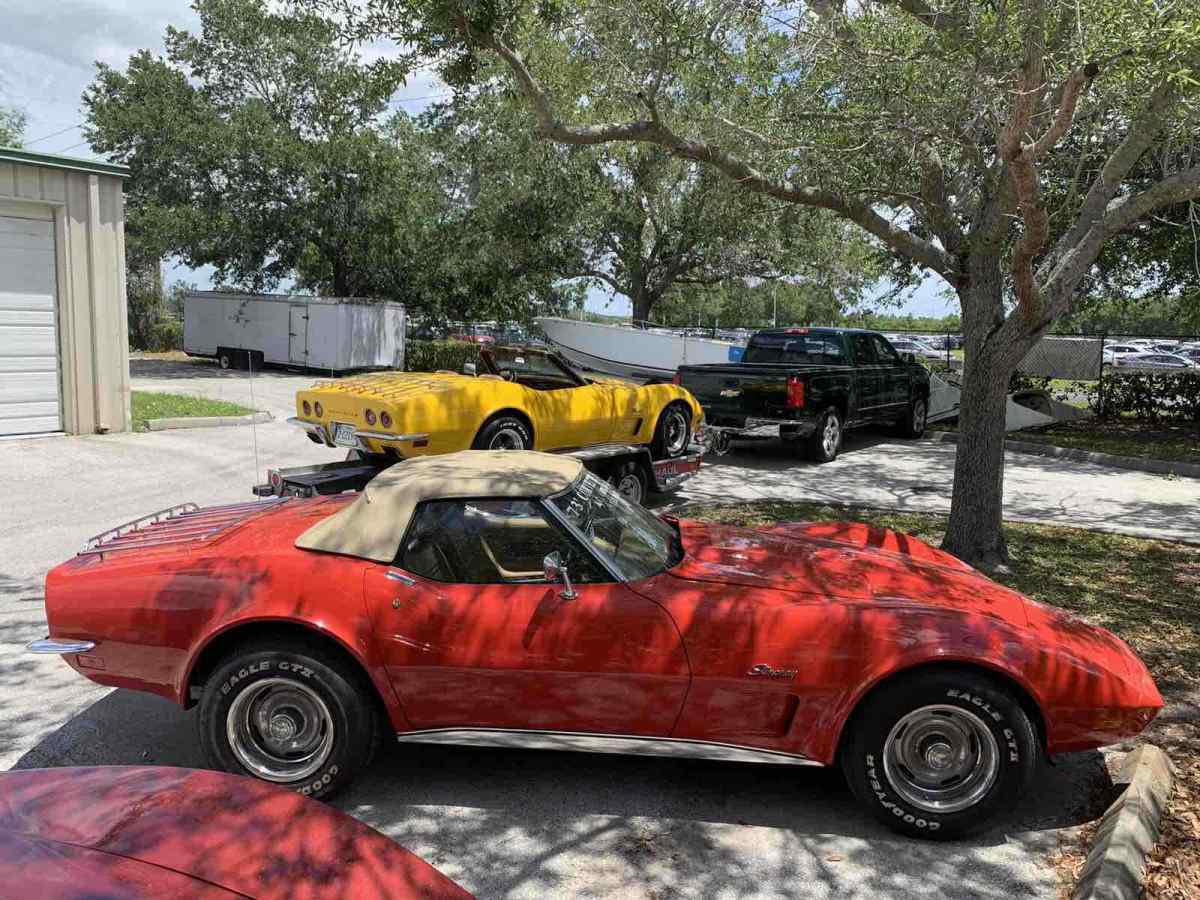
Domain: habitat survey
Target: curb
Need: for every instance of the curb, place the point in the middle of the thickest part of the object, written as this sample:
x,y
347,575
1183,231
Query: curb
x,y
207,421
1116,865
1156,466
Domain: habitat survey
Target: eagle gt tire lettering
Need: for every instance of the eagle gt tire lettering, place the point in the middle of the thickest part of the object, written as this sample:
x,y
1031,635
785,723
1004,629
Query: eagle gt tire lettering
x,y
299,718
914,730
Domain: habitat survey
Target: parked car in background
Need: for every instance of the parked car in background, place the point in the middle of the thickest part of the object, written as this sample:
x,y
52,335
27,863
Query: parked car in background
x,y
809,385
917,348
1112,351
1153,361
150,832
520,398
514,599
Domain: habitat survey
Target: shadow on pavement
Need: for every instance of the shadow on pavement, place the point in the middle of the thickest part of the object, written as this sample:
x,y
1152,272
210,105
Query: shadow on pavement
x,y
199,367
529,823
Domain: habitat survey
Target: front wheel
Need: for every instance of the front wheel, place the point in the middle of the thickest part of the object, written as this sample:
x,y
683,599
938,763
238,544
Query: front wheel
x,y
298,718
939,754
672,433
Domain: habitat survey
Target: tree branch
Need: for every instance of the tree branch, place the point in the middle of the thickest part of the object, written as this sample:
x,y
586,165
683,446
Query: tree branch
x,y
654,131
596,273
1142,133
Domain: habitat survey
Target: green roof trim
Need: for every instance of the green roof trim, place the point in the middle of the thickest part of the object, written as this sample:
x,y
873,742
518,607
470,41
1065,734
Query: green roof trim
x,y
54,161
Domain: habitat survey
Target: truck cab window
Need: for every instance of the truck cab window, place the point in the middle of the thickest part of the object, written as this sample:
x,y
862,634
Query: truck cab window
x,y
884,351
864,350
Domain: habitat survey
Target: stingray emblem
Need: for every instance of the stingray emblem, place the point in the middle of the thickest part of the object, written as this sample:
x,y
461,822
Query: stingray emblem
x,y
762,670
732,392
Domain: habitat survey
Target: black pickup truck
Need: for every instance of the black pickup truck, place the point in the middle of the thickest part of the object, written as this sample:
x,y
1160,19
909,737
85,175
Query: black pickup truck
x,y
809,385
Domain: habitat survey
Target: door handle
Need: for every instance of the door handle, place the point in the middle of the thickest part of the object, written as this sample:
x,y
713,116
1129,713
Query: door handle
x,y
401,577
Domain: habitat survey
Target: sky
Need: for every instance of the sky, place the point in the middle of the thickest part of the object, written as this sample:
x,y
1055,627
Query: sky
x,y
48,51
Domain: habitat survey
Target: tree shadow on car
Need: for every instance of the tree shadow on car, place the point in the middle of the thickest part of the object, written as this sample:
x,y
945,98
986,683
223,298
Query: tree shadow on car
x,y
541,823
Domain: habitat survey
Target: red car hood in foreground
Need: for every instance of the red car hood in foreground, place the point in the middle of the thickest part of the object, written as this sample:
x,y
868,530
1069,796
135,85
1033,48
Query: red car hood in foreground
x,y
842,560
157,832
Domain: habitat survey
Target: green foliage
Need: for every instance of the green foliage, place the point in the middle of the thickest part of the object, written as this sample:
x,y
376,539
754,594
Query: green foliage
x,y
430,356
166,334
150,405
1150,396
12,126
250,144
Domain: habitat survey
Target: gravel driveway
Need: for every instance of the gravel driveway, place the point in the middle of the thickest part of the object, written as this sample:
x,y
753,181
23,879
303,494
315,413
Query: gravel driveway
x,y
537,824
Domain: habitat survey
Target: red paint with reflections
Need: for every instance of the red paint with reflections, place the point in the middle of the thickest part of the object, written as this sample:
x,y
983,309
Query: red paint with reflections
x,y
157,832
843,605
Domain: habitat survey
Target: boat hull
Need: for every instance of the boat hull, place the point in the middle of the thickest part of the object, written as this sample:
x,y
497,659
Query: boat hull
x,y
640,354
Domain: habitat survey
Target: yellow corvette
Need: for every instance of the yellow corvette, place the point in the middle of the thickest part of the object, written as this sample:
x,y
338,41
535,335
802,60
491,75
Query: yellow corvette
x,y
520,399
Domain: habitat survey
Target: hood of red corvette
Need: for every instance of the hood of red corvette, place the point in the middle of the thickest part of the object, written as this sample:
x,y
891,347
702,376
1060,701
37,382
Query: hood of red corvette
x,y
845,560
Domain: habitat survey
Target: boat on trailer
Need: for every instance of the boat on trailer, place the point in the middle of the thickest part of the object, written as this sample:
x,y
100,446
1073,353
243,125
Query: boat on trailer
x,y
643,354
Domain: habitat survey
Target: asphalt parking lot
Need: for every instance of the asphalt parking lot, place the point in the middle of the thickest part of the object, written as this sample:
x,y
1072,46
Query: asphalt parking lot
x,y
537,824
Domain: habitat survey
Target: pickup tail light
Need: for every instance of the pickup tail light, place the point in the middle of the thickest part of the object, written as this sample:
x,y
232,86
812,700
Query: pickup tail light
x,y
677,379
795,393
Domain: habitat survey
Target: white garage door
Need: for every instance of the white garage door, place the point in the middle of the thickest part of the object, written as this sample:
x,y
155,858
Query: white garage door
x,y
29,395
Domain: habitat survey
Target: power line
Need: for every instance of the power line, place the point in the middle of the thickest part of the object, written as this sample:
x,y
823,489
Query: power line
x,y
54,134
426,97
73,146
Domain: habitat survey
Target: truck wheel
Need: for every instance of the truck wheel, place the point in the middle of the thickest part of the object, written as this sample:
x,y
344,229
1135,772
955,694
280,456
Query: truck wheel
x,y
630,481
938,754
225,359
291,715
672,433
824,443
913,423
503,433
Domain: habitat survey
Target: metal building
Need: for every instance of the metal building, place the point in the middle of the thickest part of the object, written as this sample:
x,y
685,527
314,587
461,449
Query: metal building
x,y
64,344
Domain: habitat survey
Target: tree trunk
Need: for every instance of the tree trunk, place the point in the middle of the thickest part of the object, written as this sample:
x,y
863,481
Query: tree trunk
x,y
643,302
974,532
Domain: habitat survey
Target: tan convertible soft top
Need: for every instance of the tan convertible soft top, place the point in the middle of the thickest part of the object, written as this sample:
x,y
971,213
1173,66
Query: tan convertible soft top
x,y
374,524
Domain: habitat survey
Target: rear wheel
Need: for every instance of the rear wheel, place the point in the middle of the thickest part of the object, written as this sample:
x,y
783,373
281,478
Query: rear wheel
x,y
938,754
824,443
297,717
913,423
504,432
672,433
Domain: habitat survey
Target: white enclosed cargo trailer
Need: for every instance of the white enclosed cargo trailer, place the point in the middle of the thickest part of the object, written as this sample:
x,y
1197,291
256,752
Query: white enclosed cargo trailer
x,y
329,333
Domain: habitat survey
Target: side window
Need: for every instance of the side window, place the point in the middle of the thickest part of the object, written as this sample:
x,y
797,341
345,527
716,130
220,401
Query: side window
x,y
864,350
883,350
489,542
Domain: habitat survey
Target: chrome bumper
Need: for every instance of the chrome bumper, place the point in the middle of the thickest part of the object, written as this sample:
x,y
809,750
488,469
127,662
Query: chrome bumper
x,y
51,645
321,433
756,427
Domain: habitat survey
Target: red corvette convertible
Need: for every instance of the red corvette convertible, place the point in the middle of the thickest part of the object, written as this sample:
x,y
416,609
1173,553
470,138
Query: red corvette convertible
x,y
145,832
513,599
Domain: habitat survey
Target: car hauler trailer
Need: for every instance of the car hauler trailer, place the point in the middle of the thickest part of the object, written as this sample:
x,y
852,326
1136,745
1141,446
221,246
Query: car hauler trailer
x,y
328,333
629,468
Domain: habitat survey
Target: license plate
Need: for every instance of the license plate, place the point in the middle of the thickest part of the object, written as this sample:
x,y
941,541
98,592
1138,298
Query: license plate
x,y
343,435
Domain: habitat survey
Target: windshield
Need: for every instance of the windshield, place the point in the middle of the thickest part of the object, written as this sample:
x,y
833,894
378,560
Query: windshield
x,y
804,349
635,542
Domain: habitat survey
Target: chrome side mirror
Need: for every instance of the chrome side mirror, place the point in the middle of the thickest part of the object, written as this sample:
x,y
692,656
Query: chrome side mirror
x,y
469,368
556,573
